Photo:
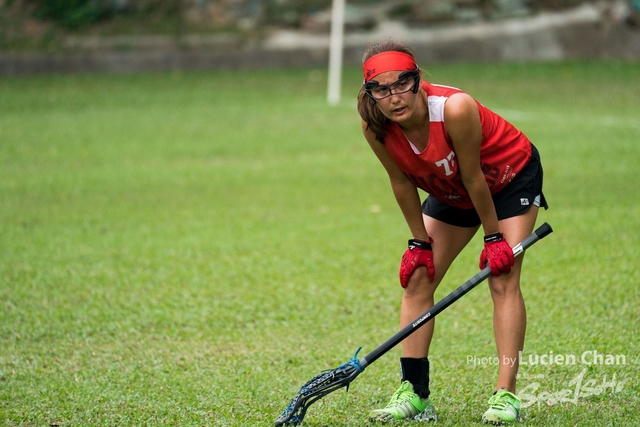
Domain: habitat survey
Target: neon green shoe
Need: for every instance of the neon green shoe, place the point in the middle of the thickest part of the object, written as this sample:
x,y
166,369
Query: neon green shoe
x,y
504,407
405,405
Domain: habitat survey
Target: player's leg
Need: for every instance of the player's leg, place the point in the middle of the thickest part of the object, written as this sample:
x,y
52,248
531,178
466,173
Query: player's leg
x,y
411,400
509,322
418,297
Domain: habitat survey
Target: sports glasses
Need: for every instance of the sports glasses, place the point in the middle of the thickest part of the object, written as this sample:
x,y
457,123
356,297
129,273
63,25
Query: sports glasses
x,y
407,81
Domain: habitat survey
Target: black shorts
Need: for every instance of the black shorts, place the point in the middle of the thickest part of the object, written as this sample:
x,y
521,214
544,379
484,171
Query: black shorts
x,y
515,199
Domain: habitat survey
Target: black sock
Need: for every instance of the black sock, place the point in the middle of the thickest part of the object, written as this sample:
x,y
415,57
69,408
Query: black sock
x,y
416,371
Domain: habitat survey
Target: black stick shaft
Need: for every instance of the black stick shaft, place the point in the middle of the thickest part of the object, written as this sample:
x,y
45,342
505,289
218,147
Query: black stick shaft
x,y
540,233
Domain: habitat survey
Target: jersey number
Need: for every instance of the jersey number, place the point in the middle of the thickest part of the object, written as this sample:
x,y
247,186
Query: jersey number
x,y
447,163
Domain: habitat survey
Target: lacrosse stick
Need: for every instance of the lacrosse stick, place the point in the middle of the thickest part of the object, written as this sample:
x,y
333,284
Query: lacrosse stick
x,y
332,380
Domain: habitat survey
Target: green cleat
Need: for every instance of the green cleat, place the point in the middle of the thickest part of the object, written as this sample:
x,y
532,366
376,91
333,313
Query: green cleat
x,y
504,407
405,405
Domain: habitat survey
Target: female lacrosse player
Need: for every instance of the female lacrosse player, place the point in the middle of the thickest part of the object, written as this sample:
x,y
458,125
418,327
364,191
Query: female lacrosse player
x,y
478,170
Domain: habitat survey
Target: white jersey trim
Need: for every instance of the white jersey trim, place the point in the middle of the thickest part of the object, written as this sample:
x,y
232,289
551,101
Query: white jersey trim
x,y
436,108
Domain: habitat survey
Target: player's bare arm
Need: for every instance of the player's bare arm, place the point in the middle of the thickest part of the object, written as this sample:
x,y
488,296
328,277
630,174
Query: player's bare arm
x,y
462,122
404,191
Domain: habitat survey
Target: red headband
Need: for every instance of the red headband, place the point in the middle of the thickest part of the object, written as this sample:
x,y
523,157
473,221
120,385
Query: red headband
x,y
388,61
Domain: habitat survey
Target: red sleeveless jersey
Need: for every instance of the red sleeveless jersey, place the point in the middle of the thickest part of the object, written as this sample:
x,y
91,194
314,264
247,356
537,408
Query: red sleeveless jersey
x,y
504,151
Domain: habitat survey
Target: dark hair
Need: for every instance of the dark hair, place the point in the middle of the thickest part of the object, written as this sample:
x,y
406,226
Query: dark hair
x,y
368,110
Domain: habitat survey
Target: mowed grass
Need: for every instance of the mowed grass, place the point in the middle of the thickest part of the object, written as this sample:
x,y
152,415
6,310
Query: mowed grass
x,y
188,249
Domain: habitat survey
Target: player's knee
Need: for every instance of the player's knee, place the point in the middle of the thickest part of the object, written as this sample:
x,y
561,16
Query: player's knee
x,y
420,287
504,286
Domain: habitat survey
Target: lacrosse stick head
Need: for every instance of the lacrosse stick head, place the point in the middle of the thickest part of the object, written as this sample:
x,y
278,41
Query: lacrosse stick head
x,y
318,387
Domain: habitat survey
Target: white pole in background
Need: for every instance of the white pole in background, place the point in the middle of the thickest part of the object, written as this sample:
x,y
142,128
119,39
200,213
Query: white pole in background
x,y
335,51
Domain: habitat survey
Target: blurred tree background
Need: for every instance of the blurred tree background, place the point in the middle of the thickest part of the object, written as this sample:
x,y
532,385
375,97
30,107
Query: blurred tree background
x,y
42,23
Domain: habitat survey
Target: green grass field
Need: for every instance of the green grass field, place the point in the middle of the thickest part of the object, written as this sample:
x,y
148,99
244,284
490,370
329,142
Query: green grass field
x,y
187,249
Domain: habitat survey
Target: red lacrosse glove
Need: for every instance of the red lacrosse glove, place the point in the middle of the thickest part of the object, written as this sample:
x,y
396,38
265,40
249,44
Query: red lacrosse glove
x,y
418,254
497,253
